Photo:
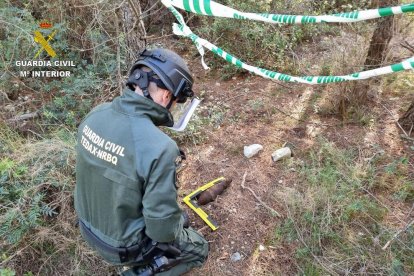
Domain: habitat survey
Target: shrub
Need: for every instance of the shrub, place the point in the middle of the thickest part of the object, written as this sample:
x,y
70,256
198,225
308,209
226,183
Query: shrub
x,y
270,46
32,178
335,221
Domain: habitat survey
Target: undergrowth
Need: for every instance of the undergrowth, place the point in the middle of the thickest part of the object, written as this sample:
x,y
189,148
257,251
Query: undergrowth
x,y
37,220
93,36
338,218
265,45
205,119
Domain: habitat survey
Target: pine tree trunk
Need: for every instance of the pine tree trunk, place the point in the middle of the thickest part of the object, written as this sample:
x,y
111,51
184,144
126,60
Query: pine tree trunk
x,y
133,28
380,39
407,120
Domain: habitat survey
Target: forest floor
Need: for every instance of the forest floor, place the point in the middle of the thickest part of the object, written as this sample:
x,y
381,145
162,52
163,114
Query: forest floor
x,y
258,111
364,145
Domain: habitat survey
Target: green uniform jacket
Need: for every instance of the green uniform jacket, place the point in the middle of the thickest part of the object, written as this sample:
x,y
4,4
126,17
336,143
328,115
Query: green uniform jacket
x,y
126,172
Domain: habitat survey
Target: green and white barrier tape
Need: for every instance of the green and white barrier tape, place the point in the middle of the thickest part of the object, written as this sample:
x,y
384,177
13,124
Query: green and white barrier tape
x,y
183,30
208,7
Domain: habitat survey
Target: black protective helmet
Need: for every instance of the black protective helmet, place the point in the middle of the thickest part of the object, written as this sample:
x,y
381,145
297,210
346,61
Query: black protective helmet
x,y
171,69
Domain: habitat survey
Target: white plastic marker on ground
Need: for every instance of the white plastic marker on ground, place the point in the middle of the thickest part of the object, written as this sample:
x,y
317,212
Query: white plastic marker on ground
x,y
211,8
183,30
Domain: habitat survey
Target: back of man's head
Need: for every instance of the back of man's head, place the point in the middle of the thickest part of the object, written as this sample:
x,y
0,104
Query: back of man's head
x,y
168,70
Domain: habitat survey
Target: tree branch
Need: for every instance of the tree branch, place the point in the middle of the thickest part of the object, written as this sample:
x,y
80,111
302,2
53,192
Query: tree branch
x,y
24,117
397,234
272,211
138,13
407,46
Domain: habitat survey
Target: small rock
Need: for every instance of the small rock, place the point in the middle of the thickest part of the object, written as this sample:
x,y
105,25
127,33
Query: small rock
x,y
10,108
280,181
376,241
252,150
281,153
261,248
235,257
217,84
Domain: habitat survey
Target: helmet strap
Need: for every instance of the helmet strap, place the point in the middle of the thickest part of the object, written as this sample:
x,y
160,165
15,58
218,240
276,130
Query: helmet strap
x,y
170,103
141,79
147,94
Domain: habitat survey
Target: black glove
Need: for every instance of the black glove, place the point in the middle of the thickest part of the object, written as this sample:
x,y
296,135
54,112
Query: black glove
x,y
186,218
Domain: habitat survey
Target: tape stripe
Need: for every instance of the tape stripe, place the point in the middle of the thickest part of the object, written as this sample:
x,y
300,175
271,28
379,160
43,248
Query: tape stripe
x,y
407,8
183,30
397,67
187,5
211,8
385,12
396,10
304,79
197,8
207,7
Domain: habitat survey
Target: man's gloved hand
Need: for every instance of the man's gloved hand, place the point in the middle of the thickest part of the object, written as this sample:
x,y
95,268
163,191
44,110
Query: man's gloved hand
x,y
186,218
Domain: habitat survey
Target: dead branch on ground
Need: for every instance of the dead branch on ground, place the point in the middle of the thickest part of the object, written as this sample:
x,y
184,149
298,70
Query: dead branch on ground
x,y
272,211
24,117
397,234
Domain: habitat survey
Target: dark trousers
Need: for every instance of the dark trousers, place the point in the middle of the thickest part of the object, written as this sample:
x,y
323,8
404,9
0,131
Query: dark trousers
x,y
194,251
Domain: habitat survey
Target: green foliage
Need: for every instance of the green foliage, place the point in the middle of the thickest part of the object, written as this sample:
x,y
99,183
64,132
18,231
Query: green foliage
x,y
259,44
67,110
396,178
63,100
334,214
339,6
7,272
256,104
28,184
205,118
405,191
400,85
270,46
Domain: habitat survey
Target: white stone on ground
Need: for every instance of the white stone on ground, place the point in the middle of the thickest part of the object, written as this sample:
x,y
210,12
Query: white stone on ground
x,y
252,150
235,257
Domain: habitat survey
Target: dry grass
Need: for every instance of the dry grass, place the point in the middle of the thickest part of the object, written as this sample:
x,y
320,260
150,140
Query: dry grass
x,y
339,220
41,237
